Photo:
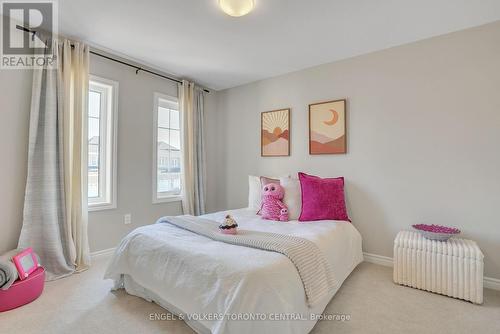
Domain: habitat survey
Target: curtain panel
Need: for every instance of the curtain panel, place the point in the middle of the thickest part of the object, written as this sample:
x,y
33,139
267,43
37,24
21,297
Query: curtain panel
x,y
191,105
55,207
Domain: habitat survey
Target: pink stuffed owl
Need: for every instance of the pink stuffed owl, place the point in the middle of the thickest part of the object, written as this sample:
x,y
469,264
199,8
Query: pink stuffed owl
x,y
272,207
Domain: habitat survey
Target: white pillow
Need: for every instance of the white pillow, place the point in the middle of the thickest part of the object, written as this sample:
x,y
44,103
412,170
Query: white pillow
x,y
293,196
254,189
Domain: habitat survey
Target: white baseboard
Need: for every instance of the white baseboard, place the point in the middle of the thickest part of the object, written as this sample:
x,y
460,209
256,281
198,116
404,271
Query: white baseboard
x,y
103,252
488,282
491,283
378,259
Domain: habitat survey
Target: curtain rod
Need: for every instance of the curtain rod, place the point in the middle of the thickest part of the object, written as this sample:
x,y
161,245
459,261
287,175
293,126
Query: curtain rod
x,y
137,68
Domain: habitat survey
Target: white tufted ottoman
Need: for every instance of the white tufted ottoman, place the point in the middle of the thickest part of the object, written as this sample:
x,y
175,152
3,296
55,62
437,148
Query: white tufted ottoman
x,y
453,268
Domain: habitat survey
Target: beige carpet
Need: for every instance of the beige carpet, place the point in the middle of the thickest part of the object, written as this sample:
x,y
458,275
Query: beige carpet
x,y
83,303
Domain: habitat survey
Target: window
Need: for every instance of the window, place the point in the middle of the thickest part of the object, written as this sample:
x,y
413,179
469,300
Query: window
x,y
167,150
101,125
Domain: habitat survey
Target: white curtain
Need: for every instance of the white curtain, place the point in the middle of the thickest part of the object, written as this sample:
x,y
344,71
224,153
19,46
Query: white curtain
x,y
55,208
191,105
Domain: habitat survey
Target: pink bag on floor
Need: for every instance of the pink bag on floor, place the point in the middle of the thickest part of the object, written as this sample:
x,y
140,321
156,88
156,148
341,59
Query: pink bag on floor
x,y
23,292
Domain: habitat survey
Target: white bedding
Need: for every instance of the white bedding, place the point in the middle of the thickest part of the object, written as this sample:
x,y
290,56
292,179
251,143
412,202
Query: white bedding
x,y
211,283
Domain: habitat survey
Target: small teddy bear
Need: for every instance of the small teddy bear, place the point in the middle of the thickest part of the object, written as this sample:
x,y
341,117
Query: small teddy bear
x,y
284,215
272,207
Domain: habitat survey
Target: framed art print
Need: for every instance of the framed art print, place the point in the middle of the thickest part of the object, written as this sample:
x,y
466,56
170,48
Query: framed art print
x,y
275,133
327,127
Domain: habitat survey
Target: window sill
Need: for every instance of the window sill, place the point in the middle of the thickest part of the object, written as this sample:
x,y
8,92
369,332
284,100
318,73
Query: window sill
x,y
168,199
101,207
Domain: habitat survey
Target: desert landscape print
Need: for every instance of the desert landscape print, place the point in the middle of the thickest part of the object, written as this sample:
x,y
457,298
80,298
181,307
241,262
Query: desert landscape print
x,y
327,127
275,133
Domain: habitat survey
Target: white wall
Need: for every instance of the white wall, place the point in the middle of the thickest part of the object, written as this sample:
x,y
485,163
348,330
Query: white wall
x,y
135,152
15,99
423,137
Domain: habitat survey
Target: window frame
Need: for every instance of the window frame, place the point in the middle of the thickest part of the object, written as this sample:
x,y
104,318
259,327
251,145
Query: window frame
x,y
156,104
108,136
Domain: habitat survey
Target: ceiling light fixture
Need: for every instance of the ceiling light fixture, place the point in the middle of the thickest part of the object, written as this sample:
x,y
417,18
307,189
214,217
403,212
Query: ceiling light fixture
x,y
236,8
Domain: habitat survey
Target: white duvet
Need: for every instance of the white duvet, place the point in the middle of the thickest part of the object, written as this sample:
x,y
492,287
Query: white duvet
x,y
222,288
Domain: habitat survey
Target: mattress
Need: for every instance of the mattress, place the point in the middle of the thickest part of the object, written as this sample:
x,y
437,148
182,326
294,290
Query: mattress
x,y
222,288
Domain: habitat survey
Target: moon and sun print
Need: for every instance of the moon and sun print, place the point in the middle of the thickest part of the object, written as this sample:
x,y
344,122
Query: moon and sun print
x,y
275,133
327,127
327,130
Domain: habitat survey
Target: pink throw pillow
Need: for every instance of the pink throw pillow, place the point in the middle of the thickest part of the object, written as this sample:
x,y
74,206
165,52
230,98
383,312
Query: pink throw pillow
x,y
322,199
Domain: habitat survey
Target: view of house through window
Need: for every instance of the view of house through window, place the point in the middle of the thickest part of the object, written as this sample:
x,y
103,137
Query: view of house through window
x,y
101,127
93,142
168,147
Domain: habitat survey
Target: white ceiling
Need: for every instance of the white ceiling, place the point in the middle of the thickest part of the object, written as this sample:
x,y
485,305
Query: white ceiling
x,y
194,39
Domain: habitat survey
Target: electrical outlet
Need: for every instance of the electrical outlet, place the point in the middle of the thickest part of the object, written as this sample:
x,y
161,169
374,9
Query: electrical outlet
x,y
127,219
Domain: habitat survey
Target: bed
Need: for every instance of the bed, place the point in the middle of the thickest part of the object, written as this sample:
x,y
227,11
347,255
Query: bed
x,y
217,287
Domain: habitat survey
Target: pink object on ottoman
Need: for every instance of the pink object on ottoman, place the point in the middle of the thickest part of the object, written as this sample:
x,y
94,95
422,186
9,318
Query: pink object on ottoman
x,y
23,292
322,199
